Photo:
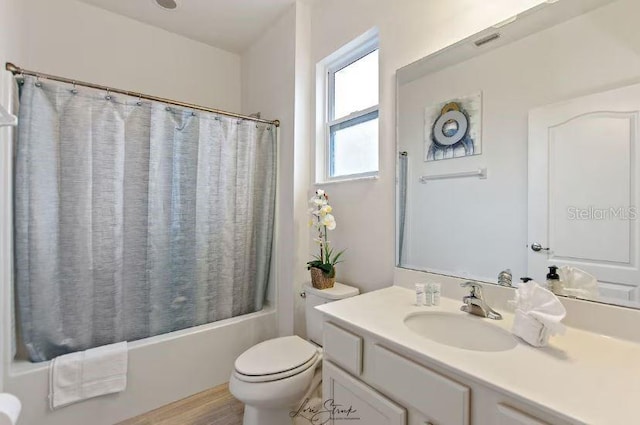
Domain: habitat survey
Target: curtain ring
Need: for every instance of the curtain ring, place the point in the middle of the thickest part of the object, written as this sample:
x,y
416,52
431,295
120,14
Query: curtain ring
x,y
139,102
108,96
74,90
38,83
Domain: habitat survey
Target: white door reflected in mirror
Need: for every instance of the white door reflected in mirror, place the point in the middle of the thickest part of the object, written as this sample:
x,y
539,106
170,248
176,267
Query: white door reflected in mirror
x,y
583,157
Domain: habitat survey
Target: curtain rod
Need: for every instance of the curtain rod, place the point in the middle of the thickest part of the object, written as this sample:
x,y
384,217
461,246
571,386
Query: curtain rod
x,y
16,70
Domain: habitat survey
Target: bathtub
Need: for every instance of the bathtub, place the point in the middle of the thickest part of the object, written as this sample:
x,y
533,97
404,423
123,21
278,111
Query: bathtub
x,y
162,369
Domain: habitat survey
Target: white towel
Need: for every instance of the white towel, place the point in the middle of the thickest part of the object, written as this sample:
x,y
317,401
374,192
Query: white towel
x,y
86,374
539,314
529,329
577,283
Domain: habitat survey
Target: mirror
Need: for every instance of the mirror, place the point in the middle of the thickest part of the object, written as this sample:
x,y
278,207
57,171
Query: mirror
x,y
519,149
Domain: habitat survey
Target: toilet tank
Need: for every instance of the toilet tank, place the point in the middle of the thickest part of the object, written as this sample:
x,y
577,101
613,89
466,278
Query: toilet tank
x,y
315,297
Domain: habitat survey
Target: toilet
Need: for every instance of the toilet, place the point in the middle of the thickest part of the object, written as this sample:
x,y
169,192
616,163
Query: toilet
x,y
273,377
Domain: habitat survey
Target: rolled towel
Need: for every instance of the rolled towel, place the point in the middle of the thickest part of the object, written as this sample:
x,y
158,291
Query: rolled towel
x,y
577,283
86,374
10,408
530,329
539,314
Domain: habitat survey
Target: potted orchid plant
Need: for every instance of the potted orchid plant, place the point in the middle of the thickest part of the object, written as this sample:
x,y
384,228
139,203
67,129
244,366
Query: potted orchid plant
x,y
323,267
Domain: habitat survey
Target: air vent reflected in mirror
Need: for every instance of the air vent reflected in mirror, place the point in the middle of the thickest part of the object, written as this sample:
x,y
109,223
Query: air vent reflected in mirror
x,y
487,39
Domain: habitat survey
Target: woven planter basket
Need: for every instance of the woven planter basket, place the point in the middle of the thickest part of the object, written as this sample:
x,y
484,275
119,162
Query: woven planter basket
x,y
320,280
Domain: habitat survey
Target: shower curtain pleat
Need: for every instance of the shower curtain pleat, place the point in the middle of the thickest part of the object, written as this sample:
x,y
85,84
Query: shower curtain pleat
x,y
133,219
206,215
136,297
75,223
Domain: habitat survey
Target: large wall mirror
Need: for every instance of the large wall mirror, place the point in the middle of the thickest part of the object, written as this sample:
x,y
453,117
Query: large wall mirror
x,y
519,149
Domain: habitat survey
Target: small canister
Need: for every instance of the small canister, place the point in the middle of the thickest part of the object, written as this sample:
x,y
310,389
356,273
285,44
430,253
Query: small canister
x,y
436,289
428,295
420,295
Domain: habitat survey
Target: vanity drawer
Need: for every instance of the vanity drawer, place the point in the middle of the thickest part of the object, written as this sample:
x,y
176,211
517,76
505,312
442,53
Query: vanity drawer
x,y
442,400
510,416
343,348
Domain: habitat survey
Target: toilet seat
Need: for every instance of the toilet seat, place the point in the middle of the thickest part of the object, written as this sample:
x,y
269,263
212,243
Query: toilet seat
x,y
276,359
280,375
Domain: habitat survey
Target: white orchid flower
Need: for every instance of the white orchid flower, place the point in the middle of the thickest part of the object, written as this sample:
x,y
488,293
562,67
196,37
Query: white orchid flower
x,y
318,201
326,209
329,221
320,192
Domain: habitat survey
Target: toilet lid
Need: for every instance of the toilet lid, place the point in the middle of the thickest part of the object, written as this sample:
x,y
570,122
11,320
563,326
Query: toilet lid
x,y
281,375
275,356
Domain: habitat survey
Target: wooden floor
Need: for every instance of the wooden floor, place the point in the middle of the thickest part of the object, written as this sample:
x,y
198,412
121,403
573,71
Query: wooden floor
x,y
212,407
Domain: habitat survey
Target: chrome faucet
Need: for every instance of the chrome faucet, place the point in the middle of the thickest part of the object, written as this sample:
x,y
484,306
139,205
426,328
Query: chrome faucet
x,y
474,303
505,278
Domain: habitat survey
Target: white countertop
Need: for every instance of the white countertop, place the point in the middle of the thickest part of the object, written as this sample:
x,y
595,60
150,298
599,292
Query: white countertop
x,y
581,376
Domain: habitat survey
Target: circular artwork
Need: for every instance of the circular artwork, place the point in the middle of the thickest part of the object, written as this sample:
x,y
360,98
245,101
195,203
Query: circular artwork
x,y
453,129
450,128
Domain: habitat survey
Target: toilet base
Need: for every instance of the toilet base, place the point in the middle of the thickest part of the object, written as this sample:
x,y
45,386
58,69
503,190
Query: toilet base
x,y
254,416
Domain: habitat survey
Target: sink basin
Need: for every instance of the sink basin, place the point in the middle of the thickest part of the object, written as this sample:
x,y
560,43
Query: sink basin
x,y
461,331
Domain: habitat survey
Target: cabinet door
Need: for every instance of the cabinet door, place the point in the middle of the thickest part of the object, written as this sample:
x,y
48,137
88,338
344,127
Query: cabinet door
x,y
346,398
509,416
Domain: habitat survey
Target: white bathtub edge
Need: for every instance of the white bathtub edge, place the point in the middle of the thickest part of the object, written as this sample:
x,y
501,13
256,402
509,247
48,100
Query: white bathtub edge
x,y
161,370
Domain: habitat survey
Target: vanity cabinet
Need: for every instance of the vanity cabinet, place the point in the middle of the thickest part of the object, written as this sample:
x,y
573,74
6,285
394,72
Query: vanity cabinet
x,y
385,384
348,399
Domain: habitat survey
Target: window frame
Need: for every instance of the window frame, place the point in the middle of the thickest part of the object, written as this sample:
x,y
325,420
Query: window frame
x,y
354,118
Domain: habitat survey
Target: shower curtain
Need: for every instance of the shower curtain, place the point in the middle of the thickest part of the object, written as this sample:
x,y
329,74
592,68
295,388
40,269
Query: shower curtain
x,y
134,219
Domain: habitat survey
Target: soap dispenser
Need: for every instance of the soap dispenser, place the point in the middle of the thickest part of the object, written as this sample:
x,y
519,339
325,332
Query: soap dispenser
x,y
553,279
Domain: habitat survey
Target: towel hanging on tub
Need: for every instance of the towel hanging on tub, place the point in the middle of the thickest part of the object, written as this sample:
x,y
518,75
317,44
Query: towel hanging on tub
x,y
87,374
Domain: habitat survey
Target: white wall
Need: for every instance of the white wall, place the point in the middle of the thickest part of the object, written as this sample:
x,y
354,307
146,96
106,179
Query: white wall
x,y
73,39
409,30
302,161
7,34
476,228
276,82
268,80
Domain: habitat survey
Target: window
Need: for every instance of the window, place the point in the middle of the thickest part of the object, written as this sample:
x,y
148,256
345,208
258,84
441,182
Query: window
x,y
351,125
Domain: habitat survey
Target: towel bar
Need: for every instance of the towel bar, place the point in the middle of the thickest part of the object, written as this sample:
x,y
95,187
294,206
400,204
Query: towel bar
x,y
481,173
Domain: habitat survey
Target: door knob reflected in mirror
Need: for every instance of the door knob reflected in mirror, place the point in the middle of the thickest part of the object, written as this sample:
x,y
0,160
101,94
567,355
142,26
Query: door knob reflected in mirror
x,y
537,247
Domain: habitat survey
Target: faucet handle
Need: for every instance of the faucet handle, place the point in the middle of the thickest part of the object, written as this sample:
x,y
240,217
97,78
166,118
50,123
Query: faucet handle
x,y
475,289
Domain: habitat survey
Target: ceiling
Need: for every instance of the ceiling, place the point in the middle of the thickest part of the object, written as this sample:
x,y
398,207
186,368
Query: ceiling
x,y
228,24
